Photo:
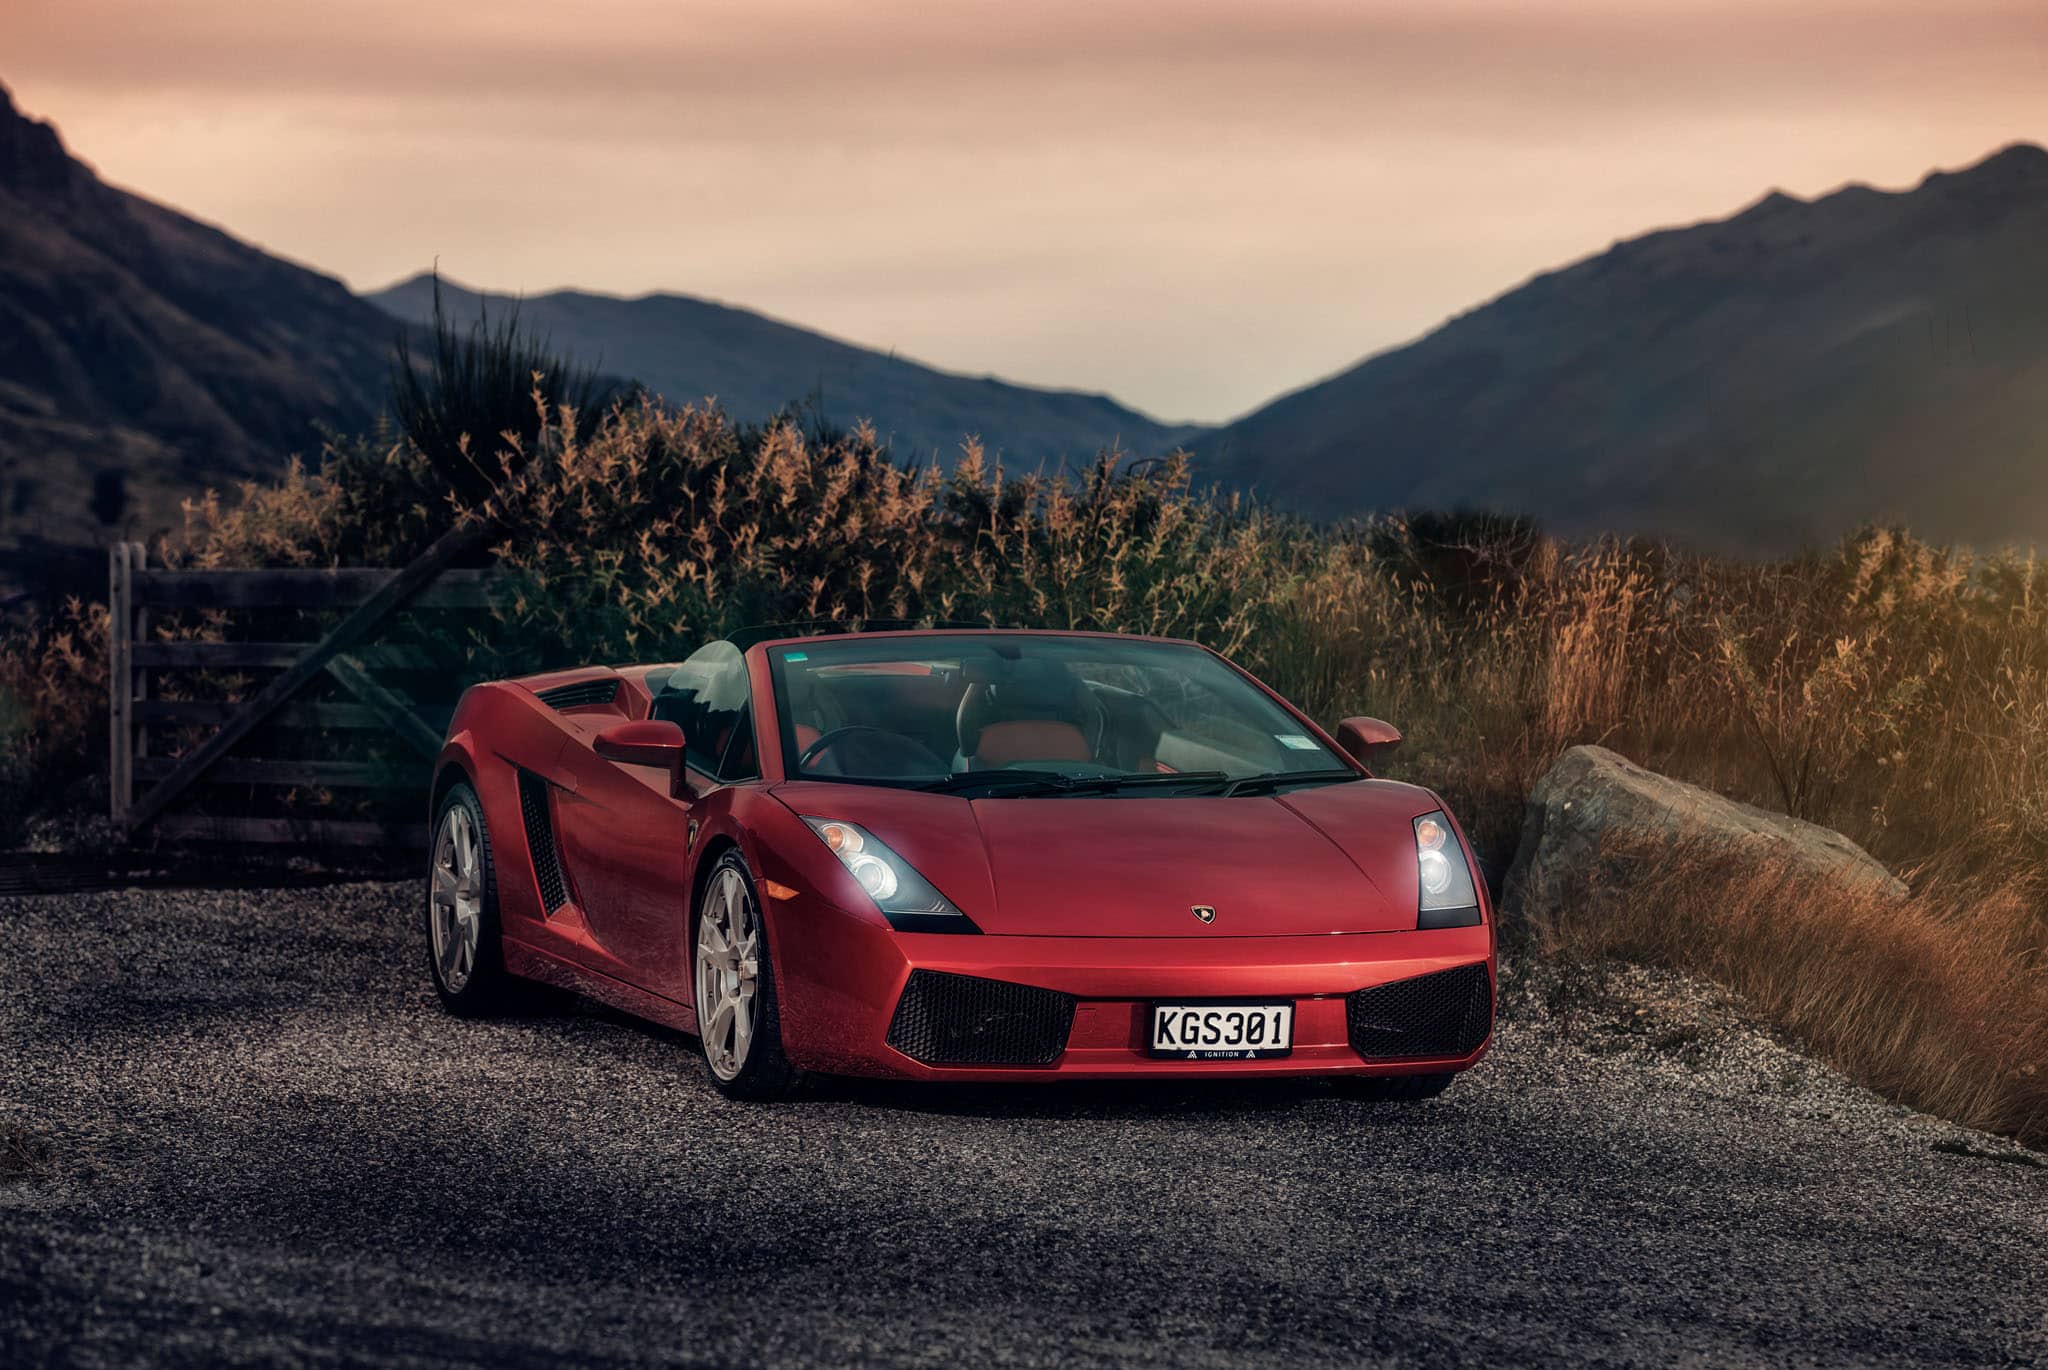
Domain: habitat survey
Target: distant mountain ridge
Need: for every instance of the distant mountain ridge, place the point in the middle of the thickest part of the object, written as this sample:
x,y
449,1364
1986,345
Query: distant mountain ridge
x,y
145,356
1755,383
687,350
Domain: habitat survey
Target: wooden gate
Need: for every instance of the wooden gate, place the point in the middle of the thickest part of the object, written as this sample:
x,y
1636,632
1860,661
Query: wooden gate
x,y
328,688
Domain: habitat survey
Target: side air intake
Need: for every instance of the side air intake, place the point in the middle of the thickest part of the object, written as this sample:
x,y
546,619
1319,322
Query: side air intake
x,y
540,840
1447,1013
959,1020
580,693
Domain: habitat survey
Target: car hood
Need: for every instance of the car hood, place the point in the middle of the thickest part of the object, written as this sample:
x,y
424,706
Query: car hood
x,y
1340,858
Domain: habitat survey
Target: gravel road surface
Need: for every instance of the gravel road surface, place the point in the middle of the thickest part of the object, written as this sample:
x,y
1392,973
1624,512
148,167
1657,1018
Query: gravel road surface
x,y
241,1131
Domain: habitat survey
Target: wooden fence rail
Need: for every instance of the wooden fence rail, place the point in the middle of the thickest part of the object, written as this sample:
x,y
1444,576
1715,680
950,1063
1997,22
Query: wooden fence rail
x,y
146,786
338,589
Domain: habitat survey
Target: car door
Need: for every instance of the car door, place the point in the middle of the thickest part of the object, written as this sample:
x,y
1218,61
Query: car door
x,y
626,839
624,845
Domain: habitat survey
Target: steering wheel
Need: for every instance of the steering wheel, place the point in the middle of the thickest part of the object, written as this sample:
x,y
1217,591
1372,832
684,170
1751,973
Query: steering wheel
x,y
825,740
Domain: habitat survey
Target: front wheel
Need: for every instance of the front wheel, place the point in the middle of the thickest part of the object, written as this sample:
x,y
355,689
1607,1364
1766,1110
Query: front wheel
x,y
738,1024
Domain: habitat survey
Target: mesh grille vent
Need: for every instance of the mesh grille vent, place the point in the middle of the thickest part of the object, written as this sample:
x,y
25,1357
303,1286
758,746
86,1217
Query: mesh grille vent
x,y
580,693
961,1020
540,840
1447,1013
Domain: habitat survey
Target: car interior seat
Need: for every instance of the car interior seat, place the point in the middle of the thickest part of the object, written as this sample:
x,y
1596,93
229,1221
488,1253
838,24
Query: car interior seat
x,y
1031,711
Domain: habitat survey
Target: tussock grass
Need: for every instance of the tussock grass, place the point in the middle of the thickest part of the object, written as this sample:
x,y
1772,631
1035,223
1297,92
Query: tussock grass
x,y
1938,999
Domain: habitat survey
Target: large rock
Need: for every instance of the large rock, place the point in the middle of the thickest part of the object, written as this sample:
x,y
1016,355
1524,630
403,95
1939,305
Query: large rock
x,y
1598,817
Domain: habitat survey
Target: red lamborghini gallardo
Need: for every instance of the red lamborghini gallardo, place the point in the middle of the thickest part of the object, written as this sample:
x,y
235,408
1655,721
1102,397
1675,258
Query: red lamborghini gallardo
x,y
960,855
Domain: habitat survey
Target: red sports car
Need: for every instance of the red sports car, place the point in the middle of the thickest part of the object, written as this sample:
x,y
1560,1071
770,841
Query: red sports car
x,y
960,855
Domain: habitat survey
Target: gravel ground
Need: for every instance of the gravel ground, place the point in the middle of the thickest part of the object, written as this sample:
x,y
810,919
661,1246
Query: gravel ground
x,y
249,1135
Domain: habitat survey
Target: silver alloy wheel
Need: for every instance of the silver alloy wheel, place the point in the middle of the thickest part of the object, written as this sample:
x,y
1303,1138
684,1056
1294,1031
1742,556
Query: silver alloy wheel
x,y
728,973
455,901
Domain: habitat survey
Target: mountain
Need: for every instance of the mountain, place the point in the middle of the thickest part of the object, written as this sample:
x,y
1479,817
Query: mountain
x,y
687,350
1752,384
145,356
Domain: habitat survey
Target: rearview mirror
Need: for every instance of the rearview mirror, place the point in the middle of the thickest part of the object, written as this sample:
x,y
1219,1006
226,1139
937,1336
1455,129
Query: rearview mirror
x,y
648,742
1367,738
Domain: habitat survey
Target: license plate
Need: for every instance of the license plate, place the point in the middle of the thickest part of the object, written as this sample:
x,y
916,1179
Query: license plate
x,y
1222,1032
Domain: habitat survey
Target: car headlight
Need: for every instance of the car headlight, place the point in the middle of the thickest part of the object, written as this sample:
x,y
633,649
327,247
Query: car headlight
x,y
906,898
1448,897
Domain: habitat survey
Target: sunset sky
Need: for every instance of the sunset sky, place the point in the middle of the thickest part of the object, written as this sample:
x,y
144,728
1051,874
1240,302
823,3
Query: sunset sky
x,y
1192,206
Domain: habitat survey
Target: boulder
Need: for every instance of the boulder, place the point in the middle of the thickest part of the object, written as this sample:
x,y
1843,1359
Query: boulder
x,y
1598,817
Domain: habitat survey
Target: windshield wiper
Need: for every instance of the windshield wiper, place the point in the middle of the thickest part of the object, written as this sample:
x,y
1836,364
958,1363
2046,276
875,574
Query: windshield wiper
x,y
1272,780
1053,782
1103,784
959,781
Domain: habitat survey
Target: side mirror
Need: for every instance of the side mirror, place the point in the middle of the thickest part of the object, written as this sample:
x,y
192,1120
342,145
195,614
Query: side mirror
x,y
1367,738
647,742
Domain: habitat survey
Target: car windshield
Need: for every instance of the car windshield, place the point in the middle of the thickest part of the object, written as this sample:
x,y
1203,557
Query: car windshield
x,y
1003,715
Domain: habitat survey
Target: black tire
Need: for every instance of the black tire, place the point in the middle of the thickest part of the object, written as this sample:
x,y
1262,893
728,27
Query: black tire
x,y
766,1074
487,988
1394,1089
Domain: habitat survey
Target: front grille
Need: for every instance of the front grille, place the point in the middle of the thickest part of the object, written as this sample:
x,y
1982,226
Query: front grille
x,y
580,693
961,1020
540,840
1447,1013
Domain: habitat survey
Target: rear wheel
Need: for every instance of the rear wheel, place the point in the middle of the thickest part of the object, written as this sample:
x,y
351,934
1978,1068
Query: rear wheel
x,y
464,953
1394,1089
738,1023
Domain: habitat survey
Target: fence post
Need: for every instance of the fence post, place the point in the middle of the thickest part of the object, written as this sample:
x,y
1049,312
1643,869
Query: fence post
x,y
138,615
120,679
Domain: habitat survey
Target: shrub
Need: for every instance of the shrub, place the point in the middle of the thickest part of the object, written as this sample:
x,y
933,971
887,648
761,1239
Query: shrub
x,y
53,707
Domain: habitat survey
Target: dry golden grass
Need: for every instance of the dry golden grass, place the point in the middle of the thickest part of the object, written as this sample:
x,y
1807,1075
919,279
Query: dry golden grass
x,y
1938,999
1895,691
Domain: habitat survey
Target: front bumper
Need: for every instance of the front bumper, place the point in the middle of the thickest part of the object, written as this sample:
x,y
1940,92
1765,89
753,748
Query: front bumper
x,y
841,978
